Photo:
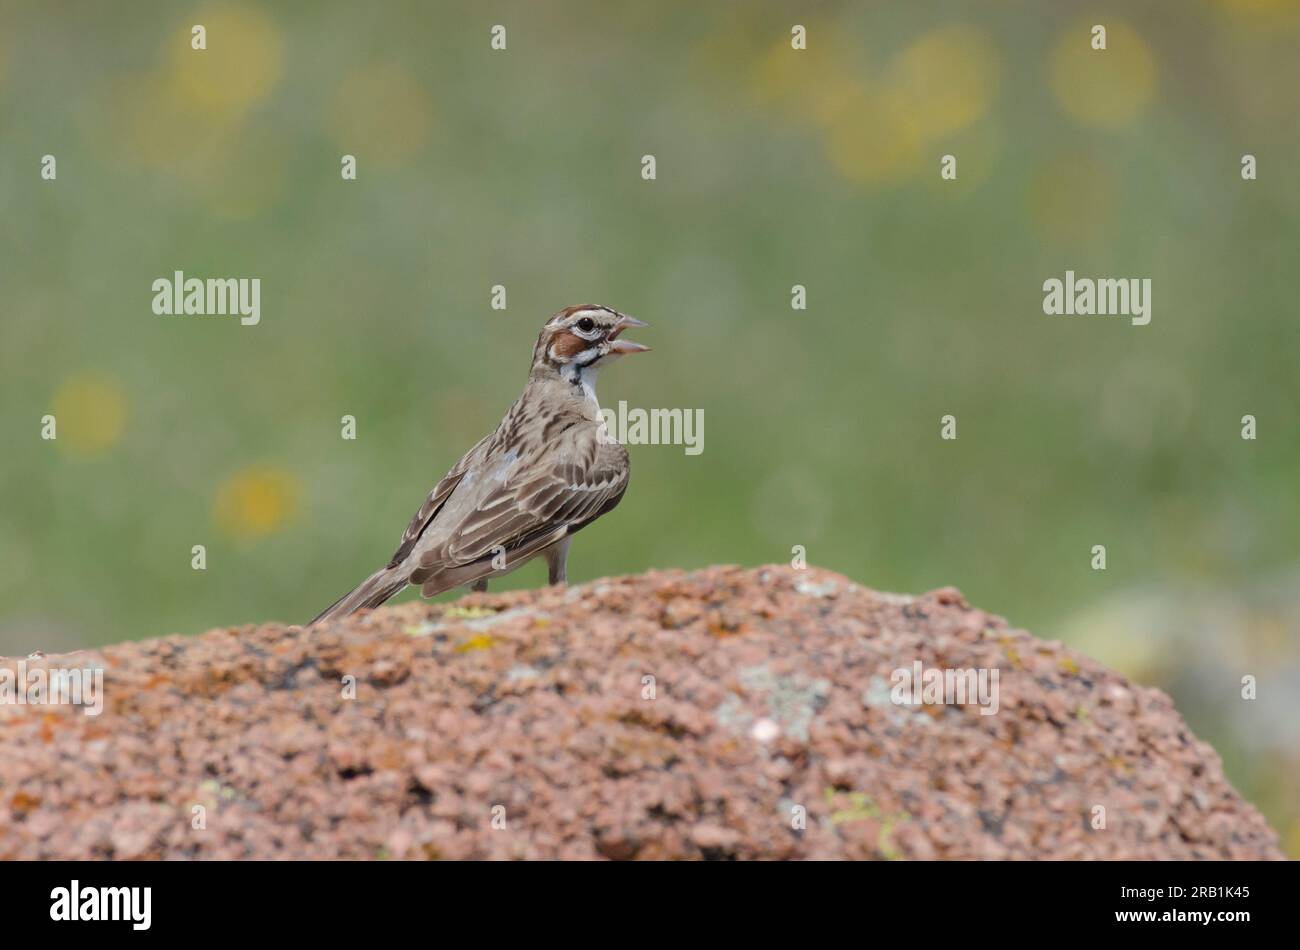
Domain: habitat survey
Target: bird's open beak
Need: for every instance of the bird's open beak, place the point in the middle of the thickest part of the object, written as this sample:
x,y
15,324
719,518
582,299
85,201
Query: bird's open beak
x,y
623,347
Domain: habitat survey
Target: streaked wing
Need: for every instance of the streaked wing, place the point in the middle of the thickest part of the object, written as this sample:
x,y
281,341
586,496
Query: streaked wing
x,y
532,508
437,498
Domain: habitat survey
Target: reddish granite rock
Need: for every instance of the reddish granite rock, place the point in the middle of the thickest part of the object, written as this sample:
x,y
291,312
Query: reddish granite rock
x,y
726,713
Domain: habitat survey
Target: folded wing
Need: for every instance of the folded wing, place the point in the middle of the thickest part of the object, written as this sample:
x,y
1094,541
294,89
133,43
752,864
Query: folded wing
x,y
511,507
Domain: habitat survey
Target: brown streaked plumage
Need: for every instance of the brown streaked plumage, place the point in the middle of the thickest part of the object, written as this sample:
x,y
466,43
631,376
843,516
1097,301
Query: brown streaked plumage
x,y
548,471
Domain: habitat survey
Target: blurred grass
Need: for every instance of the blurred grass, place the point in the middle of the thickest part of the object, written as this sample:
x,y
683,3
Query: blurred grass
x,y
775,168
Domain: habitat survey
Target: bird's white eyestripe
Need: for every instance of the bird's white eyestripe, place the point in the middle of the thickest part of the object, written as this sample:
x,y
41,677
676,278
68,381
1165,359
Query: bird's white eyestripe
x,y
598,314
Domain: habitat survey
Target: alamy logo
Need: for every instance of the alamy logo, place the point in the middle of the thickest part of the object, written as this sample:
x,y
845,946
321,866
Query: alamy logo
x,y
654,427
918,686
216,296
1084,296
63,687
103,903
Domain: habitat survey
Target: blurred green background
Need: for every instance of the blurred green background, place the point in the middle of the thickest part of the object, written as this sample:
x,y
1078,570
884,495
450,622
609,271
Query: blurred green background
x,y
775,168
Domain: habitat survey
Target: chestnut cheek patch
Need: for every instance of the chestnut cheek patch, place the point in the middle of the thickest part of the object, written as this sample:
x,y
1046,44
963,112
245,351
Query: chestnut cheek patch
x,y
568,345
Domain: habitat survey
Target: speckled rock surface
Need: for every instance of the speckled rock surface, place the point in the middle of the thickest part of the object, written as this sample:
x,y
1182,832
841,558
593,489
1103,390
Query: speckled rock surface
x,y
726,713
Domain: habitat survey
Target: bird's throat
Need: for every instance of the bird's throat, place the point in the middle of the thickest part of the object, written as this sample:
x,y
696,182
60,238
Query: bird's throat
x,y
583,379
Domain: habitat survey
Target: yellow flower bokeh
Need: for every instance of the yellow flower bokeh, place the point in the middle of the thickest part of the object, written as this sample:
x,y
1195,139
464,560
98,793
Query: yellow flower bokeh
x,y
384,110
1071,199
948,77
90,413
256,501
977,150
1103,88
939,85
884,127
817,87
875,139
1261,7
186,116
238,69
252,174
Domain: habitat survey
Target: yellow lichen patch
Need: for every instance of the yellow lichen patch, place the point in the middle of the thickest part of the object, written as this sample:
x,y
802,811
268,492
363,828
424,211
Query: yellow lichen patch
x,y
457,612
1012,655
863,808
478,642
90,414
256,502
1068,665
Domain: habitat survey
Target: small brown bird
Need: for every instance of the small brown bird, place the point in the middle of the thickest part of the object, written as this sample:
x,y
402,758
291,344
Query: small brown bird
x,y
549,470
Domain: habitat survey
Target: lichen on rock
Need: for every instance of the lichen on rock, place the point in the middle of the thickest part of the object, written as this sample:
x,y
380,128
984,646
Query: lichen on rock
x,y
724,713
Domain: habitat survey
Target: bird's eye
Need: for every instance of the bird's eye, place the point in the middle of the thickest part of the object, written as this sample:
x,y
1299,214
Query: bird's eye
x,y
586,324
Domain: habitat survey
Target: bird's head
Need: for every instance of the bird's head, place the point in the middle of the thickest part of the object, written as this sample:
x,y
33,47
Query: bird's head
x,y
583,338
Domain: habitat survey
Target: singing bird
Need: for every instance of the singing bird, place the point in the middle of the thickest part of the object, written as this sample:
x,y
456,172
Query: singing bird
x,y
549,470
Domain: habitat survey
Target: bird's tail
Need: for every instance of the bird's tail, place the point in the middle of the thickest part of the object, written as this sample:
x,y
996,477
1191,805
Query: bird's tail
x,y
373,591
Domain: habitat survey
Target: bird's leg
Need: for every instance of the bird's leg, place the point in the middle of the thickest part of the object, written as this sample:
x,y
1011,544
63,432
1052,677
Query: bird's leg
x,y
557,560
479,586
